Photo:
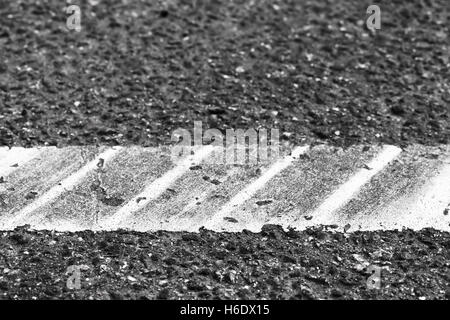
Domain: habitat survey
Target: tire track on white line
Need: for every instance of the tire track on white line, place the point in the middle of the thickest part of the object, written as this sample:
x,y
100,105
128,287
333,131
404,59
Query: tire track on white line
x,y
324,213
156,188
252,188
427,207
67,184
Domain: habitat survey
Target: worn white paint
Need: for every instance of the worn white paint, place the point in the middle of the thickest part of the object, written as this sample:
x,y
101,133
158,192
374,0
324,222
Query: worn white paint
x,y
252,188
12,159
419,207
65,185
322,215
156,188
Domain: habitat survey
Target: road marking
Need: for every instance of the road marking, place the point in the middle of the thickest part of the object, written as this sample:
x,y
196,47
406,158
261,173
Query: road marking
x,y
327,187
67,184
435,198
12,159
429,206
322,215
201,198
217,219
156,188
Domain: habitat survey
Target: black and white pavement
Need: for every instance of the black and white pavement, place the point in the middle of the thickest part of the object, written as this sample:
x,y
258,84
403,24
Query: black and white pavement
x,y
364,114
144,189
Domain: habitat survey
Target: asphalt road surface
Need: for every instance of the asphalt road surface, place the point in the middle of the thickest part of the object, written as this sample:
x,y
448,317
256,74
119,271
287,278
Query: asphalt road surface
x,y
364,124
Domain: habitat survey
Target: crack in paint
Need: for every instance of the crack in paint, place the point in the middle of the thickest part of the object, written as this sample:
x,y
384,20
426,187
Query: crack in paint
x,y
100,192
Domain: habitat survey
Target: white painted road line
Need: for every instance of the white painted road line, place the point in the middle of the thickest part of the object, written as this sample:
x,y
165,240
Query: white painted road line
x,y
435,198
144,189
429,206
202,197
11,159
156,188
339,198
65,185
217,219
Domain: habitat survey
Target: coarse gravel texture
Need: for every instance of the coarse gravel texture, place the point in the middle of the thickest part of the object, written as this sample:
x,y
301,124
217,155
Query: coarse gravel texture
x,y
138,70
318,263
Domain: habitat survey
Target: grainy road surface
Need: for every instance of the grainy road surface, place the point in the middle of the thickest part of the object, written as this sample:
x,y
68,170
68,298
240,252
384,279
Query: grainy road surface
x,y
139,70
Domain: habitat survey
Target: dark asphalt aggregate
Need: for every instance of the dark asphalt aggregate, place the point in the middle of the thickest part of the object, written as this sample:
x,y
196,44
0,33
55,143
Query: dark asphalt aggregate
x,y
140,69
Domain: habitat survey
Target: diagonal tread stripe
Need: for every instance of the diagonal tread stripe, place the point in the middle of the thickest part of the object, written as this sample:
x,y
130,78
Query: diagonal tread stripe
x,y
67,184
253,187
383,188
347,191
157,187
